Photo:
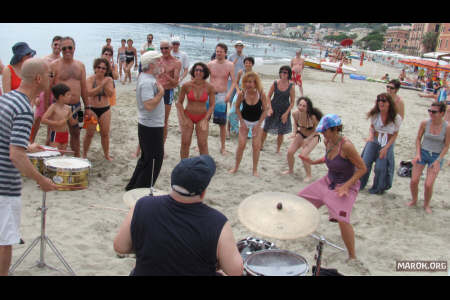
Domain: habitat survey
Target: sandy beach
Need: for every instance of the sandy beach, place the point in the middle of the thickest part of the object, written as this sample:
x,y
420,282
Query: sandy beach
x,y
82,224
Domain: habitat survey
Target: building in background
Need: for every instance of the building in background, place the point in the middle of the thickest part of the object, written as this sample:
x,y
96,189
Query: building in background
x,y
396,39
444,37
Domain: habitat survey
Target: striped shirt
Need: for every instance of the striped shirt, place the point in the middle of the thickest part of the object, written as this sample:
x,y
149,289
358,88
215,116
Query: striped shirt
x,y
16,120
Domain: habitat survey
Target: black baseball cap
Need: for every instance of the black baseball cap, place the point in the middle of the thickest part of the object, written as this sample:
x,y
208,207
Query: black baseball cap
x,y
193,175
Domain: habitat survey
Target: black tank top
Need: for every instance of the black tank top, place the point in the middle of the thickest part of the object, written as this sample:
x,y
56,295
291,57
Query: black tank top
x,y
251,113
173,238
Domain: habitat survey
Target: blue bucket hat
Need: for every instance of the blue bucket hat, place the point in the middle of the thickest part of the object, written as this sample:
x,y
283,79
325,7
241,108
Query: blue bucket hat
x,y
20,50
328,121
193,175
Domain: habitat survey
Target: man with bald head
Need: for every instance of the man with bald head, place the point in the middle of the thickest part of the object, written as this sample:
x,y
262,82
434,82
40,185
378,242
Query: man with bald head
x,y
72,72
17,119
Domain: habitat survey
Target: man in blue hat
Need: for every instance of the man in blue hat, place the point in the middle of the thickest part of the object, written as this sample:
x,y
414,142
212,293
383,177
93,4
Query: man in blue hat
x,y
177,234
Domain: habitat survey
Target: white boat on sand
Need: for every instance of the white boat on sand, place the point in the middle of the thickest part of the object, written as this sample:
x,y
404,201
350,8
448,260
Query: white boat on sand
x,y
332,66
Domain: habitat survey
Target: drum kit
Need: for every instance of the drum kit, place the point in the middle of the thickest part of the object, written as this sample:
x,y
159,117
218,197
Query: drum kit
x,y
281,216
69,174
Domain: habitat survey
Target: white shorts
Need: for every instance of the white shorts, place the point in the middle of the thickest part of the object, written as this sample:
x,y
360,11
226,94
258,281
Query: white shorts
x,y
10,220
250,125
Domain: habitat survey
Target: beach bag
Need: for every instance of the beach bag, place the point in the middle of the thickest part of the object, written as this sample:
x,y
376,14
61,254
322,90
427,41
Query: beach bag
x,y
405,169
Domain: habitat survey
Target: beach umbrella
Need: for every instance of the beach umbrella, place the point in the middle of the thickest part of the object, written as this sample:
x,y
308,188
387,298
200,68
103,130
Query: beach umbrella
x,y
423,63
444,68
346,42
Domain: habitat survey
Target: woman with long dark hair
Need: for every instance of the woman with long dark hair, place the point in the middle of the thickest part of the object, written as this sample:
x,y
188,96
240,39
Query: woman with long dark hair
x,y
306,118
379,149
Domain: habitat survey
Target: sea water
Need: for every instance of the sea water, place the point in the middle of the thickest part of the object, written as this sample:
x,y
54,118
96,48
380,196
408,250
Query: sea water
x,y
199,44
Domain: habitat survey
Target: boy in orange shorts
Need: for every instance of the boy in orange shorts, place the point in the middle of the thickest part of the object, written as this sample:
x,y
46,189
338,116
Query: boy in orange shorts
x,y
58,115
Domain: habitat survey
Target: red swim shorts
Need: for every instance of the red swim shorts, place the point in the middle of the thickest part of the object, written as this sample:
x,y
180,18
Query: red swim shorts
x,y
59,137
297,78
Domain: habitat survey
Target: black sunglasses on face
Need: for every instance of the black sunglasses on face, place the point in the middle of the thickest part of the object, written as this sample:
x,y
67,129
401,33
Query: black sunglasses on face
x,y
433,111
164,48
67,48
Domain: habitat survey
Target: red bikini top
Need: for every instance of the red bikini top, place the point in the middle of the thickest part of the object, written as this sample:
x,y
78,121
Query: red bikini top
x,y
203,97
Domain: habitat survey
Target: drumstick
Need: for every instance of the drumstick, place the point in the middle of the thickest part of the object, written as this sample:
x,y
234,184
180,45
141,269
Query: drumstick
x,y
105,207
62,151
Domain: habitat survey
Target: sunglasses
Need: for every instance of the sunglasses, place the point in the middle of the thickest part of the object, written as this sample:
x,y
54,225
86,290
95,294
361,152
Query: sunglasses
x,y
433,111
390,87
99,67
382,100
70,48
164,48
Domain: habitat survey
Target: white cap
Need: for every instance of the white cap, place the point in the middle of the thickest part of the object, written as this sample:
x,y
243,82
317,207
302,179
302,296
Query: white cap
x,y
148,56
176,39
239,43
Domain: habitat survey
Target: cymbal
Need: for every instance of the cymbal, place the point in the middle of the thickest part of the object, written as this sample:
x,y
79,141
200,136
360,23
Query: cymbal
x,y
132,196
278,215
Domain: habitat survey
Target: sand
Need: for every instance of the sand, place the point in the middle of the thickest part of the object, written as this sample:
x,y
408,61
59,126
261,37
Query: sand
x,y
82,224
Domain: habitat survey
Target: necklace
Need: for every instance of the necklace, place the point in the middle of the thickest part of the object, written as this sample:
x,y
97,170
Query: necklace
x,y
333,145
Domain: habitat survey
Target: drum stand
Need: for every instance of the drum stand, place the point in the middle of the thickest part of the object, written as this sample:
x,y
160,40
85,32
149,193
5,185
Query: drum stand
x,y
43,239
318,256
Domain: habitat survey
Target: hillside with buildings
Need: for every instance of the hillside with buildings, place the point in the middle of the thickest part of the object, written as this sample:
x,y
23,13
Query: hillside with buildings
x,y
406,38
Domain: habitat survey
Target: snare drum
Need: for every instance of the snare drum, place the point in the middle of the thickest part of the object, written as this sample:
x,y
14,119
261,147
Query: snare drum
x,y
275,262
68,173
37,158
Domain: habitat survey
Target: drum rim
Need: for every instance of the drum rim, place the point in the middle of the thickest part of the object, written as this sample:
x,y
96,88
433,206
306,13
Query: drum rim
x,y
67,169
273,250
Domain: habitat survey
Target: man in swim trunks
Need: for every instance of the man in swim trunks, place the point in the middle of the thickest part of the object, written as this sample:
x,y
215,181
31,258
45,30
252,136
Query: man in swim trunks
x,y
168,79
220,69
297,65
46,97
72,72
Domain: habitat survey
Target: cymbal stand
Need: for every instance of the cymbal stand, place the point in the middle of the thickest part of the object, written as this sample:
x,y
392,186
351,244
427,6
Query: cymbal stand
x,y
151,183
44,240
319,248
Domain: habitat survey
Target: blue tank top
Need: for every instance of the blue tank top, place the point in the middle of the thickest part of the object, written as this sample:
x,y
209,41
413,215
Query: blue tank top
x,y
442,95
173,238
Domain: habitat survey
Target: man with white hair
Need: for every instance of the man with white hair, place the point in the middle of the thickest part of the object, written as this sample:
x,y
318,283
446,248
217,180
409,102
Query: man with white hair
x,y
16,122
151,112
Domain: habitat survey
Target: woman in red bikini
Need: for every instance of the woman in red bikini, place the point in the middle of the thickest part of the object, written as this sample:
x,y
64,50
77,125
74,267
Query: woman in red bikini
x,y
197,112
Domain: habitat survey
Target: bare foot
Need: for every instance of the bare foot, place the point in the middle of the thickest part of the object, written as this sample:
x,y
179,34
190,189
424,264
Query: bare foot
x,y
412,203
224,152
232,171
255,173
108,157
428,209
287,172
307,179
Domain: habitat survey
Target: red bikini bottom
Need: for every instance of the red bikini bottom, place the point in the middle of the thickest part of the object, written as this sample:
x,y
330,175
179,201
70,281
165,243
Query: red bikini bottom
x,y
195,118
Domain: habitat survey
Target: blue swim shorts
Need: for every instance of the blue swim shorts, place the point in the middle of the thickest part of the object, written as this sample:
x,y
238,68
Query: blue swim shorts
x,y
168,97
220,109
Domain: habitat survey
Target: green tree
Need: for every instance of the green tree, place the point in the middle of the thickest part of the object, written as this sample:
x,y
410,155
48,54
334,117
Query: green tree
x,y
429,41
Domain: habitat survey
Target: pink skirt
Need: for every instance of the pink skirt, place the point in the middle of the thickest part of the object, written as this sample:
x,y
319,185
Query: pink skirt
x,y
339,208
